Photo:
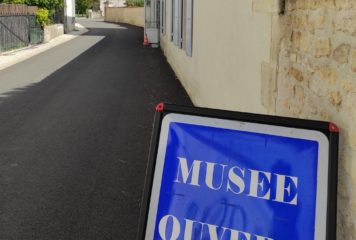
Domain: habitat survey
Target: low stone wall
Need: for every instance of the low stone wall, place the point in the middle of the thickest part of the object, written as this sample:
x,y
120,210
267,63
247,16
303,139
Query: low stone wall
x,y
93,14
131,15
52,31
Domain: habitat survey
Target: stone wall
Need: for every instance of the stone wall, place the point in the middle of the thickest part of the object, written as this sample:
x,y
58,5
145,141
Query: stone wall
x,y
316,79
130,15
52,31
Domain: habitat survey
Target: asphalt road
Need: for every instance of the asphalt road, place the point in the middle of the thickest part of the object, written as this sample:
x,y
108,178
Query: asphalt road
x,y
73,147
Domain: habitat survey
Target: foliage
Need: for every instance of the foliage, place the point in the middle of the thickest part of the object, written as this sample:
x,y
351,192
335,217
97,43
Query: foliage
x,y
51,5
14,1
42,17
81,6
135,3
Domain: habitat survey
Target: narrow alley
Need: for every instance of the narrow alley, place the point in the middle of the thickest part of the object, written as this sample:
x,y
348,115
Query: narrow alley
x,y
75,126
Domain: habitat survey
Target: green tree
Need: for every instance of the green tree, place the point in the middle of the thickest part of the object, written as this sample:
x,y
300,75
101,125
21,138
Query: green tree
x,y
135,3
82,5
15,1
51,5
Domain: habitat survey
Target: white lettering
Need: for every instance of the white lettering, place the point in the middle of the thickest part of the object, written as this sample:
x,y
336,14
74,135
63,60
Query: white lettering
x,y
163,226
210,168
193,171
255,184
236,180
281,189
207,231
188,232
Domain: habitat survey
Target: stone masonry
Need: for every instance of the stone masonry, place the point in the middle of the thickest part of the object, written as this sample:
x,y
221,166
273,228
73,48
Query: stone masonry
x,y
316,79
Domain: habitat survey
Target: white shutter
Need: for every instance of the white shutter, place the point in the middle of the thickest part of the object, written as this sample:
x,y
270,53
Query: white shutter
x,y
172,19
176,23
180,24
162,16
189,28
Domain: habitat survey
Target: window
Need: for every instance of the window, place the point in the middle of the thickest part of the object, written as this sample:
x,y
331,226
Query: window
x,y
163,16
172,19
189,27
176,19
182,24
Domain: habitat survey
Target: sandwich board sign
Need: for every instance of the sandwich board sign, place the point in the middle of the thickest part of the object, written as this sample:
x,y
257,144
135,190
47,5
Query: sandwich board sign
x,y
221,175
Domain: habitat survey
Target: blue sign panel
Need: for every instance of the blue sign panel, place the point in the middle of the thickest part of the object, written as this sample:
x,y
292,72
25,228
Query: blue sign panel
x,y
227,180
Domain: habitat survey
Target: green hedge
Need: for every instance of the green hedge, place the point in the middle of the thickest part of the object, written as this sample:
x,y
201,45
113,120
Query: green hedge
x,y
135,3
42,17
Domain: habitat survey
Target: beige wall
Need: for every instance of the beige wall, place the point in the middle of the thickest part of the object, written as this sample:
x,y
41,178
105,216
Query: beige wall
x,y
230,43
132,15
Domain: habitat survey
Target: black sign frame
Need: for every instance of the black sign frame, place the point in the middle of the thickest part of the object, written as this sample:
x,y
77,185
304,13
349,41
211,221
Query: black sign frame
x,y
329,129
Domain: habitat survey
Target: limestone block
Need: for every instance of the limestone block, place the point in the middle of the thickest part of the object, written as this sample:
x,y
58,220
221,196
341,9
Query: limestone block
x,y
345,22
327,74
344,4
324,115
318,19
299,94
352,139
306,43
341,53
319,22
314,4
329,3
296,39
323,47
296,110
293,57
335,98
318,88
300,22
302,4
348,87
296,74
353,60
312,107
350,105
353,202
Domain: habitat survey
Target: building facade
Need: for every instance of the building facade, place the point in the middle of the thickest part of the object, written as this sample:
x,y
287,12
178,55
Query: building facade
x,y
111,3
292,58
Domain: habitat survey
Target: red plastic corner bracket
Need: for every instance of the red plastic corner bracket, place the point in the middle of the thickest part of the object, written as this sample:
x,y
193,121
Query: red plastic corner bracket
x,y
333,128
160,107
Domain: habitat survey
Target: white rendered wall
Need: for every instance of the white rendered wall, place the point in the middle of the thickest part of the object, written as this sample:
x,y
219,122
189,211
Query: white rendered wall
x,y
230,42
